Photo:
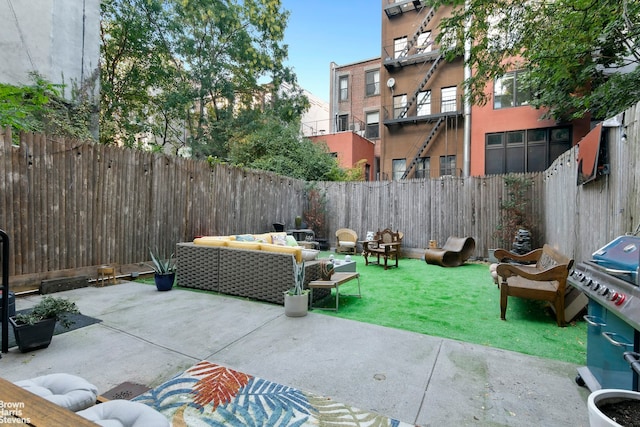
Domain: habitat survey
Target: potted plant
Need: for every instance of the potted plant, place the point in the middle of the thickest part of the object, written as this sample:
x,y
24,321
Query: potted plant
x,y
34,329
296,299
165,271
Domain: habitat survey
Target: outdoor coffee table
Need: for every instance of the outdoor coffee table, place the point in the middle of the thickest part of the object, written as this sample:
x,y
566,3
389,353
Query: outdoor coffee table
x,y
336,280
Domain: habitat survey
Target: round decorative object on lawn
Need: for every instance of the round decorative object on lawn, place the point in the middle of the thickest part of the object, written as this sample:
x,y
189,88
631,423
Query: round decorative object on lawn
x,y
164,282
614,407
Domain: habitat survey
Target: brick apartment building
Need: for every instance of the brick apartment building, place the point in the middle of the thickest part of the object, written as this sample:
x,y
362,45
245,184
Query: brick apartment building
x,y
409,103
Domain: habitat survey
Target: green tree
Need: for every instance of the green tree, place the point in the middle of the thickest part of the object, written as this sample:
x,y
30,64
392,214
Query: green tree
x,y
183,71
581,56
277,146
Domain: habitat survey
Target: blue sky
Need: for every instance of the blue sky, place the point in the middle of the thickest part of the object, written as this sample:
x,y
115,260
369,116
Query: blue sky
x,y
319,32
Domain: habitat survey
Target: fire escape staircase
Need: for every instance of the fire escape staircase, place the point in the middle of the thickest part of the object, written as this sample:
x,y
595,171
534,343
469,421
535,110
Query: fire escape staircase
x,y
418,32
422,84
425,144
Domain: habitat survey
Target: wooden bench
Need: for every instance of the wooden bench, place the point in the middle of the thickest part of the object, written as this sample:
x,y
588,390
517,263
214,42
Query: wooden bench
x,y
545,280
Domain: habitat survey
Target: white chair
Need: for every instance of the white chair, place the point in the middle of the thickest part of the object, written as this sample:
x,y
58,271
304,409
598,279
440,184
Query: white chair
x,y
124,413
66,390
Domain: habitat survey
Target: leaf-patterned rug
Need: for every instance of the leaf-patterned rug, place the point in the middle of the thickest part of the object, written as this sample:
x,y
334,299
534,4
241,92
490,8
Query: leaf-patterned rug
x,y
212,395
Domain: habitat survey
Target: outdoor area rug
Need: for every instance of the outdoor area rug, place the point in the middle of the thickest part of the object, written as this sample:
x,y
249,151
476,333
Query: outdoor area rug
x,y
79,321
208,394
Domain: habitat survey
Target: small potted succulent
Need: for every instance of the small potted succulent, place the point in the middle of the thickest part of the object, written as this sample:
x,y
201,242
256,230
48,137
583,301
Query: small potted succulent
x,y
165,271
34,329
296,299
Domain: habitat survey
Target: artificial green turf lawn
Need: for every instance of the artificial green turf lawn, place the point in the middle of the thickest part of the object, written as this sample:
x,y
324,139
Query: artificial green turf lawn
x,y
460,303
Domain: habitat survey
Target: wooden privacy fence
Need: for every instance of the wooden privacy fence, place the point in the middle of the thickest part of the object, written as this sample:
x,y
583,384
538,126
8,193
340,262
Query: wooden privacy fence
x,y
69,204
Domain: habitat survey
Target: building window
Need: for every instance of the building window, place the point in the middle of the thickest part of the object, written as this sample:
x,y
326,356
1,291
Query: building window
x,y
508,91
343,83
373,125
448,99
399,166
399,106
423,44
343,122
424,103
447,165
531,150
400,47
423,168
372,82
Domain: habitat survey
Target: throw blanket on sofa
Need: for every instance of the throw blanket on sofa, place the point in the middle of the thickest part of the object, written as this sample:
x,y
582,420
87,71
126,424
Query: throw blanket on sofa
x,y
209,394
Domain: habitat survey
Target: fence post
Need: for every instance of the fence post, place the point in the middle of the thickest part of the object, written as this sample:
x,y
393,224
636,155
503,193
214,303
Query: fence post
x,y
5,291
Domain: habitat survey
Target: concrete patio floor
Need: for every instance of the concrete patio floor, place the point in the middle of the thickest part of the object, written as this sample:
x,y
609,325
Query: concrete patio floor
x,y
148,336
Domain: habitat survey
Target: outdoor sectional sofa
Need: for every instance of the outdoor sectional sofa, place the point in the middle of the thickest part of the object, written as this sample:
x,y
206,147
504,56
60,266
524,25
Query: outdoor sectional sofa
x,y
253,269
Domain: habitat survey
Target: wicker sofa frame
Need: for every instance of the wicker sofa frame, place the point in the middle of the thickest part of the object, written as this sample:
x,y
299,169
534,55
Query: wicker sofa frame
x,y
255,274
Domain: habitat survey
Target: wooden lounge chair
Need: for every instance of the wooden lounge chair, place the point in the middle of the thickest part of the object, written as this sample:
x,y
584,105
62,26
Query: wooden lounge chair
x,y
454,252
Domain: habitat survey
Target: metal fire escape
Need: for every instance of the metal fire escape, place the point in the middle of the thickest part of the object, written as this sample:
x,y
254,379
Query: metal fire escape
x,y
412,54
426,142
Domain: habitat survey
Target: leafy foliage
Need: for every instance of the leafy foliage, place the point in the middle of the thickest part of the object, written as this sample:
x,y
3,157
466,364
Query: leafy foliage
x,y
40,107
276,146
514,209
581,56
315,213
161,264
187,74
49,308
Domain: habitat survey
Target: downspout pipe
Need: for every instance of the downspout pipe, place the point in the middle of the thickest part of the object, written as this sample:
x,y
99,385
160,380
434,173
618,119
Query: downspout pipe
x,y
467,104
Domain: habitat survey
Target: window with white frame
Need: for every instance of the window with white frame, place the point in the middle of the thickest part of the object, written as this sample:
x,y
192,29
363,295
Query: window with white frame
x,y
400,47
508,91
343,84
373,125
448,102
399,105
424,103
423,168
447,165
398,167
372,82
423,44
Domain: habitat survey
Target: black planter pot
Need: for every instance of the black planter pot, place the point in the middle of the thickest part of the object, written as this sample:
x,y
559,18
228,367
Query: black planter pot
x,y
164,282
33,337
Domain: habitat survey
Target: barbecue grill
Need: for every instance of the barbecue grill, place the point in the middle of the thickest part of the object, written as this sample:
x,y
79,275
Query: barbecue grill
x,y
611,282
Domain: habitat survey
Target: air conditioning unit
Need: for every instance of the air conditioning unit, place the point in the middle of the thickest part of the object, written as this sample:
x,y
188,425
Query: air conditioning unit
x,y
354,127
